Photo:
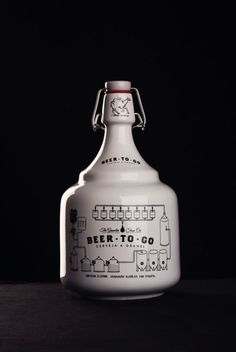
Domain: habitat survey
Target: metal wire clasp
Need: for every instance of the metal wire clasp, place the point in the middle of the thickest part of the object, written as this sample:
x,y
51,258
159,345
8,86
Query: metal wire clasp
x,y
96,117
142,119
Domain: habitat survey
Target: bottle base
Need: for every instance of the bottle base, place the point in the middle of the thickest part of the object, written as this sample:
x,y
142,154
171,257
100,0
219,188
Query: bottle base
x,y
124,298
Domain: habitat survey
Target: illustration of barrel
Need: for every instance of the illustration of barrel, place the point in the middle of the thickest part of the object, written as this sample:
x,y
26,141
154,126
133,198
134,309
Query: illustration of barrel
x,y
95,214
120,214
112,214
103,213
163,262
99,264
144,213
141,260
152,213
165,235
153,259
113,265
74,260
136,213
85,264
128,214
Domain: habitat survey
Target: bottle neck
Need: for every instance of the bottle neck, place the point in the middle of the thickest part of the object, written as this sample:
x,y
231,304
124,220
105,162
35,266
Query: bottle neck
x,y
118,138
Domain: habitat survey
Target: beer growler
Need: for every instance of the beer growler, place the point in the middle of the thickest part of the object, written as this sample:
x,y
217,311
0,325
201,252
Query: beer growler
x,y
119,235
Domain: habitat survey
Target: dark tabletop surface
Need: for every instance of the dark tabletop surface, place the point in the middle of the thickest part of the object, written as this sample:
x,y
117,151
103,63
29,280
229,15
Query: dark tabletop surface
x,y
195,315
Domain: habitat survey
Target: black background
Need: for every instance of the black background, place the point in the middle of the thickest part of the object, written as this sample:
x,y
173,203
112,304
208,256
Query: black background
x,y
55,57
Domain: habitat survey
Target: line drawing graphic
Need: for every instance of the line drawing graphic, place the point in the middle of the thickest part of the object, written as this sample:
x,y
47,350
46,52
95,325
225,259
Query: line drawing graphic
x,y
156,259
113,212
113,265
118,106
78,225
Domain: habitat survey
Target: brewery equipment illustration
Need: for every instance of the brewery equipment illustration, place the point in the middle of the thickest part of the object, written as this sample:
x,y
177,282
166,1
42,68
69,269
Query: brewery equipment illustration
x,y
155,259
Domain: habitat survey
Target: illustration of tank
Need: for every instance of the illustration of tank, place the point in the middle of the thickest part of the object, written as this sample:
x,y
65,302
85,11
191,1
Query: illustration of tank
x,y
74,233
85,264
73,216
163,262
113,265
98,264
153,259
165,234
141,260
74,260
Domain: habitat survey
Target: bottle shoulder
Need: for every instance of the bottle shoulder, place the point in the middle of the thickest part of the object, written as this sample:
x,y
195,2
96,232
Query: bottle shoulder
x,y
123,180
103,193
119,172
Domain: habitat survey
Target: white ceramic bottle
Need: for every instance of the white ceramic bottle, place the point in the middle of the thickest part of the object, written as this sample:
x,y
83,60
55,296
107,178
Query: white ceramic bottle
x,y
119,232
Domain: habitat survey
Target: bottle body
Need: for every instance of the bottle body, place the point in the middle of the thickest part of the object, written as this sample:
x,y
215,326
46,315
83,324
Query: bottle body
x,y
122,241
119,232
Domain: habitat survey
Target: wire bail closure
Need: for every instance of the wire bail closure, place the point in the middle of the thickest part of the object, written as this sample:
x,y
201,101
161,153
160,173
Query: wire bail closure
x,y
96,117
